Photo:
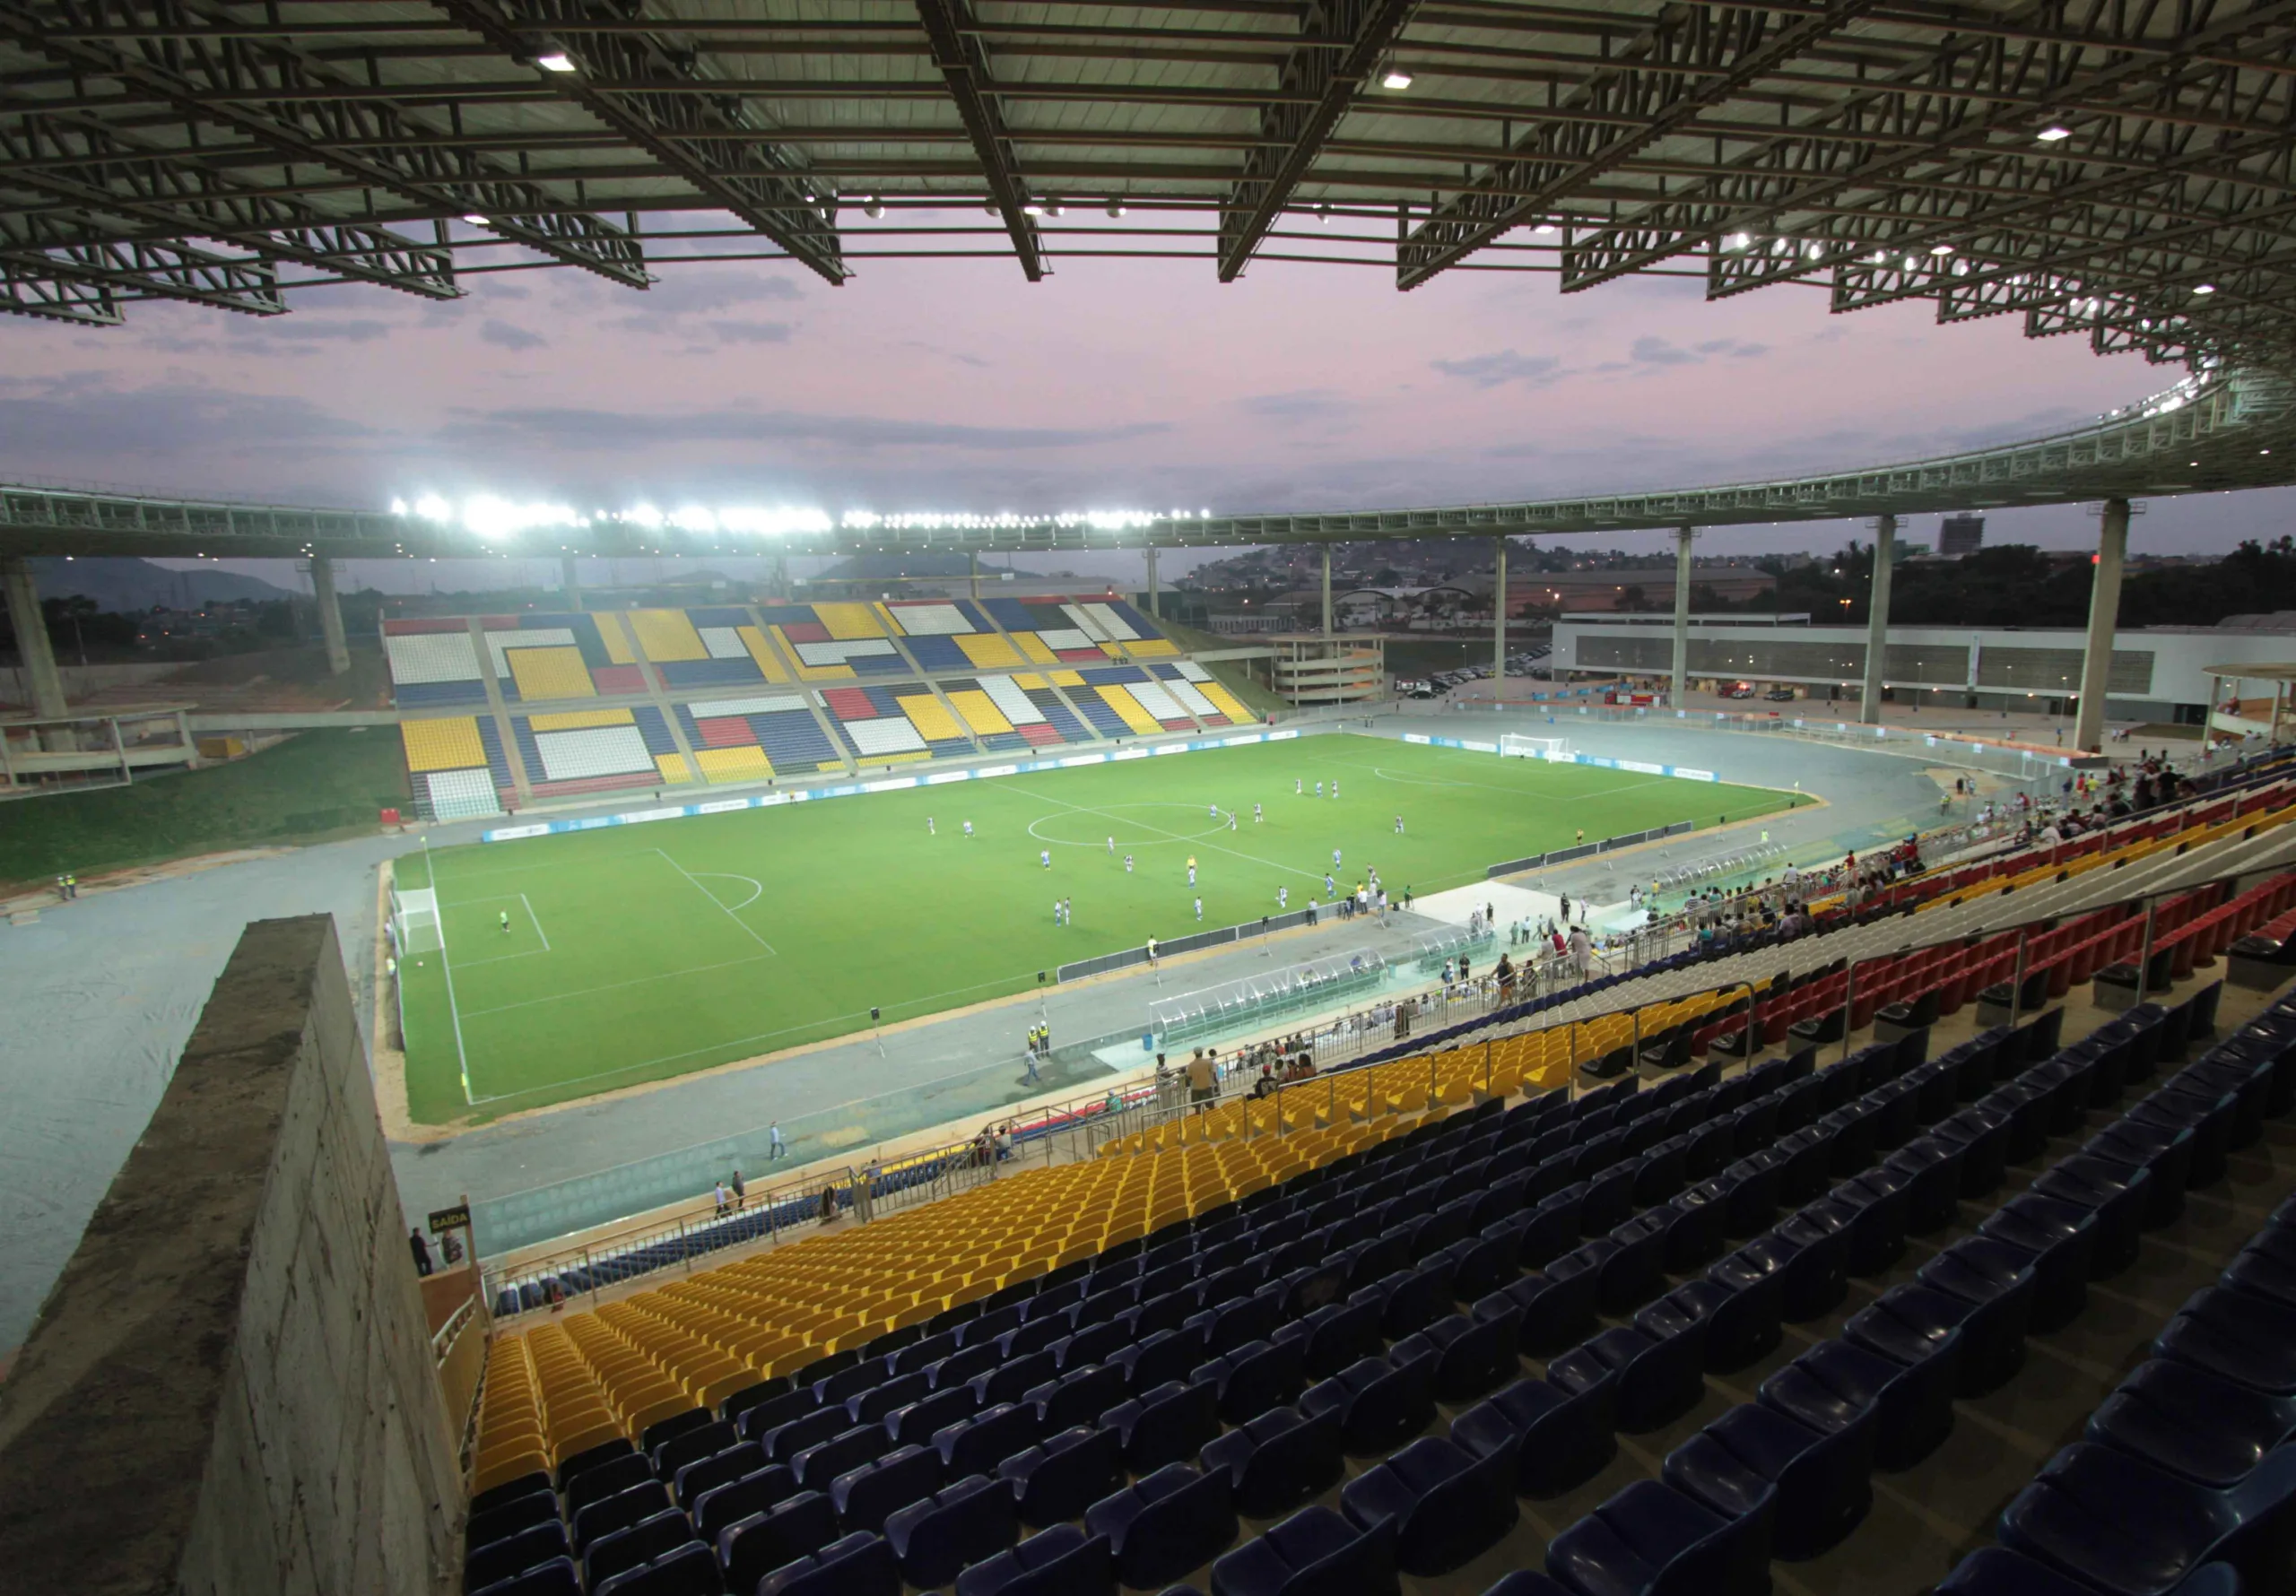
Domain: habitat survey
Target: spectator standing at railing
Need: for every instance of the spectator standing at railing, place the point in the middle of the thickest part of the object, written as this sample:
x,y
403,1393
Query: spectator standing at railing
x,y
828,1204
741,1191
422,1250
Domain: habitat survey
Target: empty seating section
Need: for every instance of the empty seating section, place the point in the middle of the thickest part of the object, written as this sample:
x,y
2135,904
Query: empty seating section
x,y
948,634
988,713
1084,1374
750,739
1043,632
432,661
547,673
447,744
943,733
832,642
597,749
460,795
871,719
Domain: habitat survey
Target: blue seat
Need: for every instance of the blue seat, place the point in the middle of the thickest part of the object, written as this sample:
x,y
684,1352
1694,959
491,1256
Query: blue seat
x,y
1012,1380
1554,1228
1234,1325
866,1496
1811,1256
1448,1504
964,1365
871,1406
1415,1298
2061,1241
1379,1402
1277,1460
557,1577
1561,1437
976,1445
618,1512
1314,1552
1630,1262
1165,1355
1659,1363
1822,1479
2115,1193
2164,1153
506,1517
1090,1345
750,1548
1995,1571
860,1564
1697,1228
635,1546
1871,1212
1054,1482
1168,1425
1335,1335
1472,1355
1062,1561
1740,1302
1078,1397
685,1570
1558,1305
1652,1541
817,1466
608,1478
1749,1189
1254,1378
514,1554
1931,1170
1996,1281
2248,1340
1165,1524
967,1522
1908,1377
754,1492
2192,1423
2127,1528
1484,1263
915,1423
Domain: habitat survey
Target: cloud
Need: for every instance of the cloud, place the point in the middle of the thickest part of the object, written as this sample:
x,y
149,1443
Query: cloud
x,y
1488,371
564,427
310,329
74,417
751,331
1300,404
508,335
1650,350
694,293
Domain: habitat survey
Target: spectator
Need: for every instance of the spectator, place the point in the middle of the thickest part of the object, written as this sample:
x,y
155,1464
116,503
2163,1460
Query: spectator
x,y
1203,1081
778,1149
829,1203
422,1250
722,1200
741,1193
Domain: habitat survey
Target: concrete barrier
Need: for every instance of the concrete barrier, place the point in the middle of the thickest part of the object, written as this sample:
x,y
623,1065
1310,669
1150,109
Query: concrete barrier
x,y
230,1388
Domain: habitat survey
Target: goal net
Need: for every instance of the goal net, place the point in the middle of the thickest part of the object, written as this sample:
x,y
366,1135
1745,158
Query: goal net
x,y
415,921
1514,745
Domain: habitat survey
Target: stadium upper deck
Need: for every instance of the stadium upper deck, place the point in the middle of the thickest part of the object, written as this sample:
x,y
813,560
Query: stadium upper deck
x,y
2121,171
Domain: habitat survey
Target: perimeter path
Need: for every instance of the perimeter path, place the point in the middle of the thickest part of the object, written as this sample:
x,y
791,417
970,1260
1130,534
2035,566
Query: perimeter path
x,y
101,995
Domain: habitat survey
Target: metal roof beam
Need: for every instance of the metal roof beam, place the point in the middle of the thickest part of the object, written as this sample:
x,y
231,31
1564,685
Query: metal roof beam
x,y
1733,48
1318,84
695,135
28,290
147,271
1930,113
306,112
957,50
97,173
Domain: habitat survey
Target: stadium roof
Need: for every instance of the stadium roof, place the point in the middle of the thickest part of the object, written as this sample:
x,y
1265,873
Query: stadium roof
x,y
2206,435
2122,171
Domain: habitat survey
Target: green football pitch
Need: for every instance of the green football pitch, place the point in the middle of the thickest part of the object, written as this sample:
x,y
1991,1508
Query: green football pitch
x,y
592,960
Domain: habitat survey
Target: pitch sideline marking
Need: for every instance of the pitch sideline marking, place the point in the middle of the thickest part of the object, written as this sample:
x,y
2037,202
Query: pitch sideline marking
x,y
446,967
749,930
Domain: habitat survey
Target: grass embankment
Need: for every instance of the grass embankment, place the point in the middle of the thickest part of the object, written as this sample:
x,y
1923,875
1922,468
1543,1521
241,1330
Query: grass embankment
x,y
314,787
1256,695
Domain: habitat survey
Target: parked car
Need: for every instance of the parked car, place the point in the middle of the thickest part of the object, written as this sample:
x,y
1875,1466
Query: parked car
x,y
1739,689
1779,695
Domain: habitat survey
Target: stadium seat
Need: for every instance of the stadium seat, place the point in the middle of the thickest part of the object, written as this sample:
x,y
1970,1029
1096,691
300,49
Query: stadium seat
x,y
1448,1504
1560,1438
1656,1541
1821,1479
968,1522
1379,1402
1062,1561
1165,1524
2123,1527
1054,1482
1314,1552
860,1564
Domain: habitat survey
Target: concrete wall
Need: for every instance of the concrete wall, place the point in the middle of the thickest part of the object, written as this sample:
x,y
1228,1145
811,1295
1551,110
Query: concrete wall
x,y
230,1388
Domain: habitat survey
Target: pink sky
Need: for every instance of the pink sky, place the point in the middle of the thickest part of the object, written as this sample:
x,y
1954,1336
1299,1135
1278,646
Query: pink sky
x,y
957,385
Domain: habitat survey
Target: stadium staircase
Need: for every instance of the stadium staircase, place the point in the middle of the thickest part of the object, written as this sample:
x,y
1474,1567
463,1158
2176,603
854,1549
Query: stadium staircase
x,y
1398,1336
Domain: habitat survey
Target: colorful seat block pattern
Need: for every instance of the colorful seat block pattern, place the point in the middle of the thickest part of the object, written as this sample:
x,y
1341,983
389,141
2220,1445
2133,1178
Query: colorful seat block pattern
x,y
1226,702
451,743
432,665
779,727
943,732
461,795
871,718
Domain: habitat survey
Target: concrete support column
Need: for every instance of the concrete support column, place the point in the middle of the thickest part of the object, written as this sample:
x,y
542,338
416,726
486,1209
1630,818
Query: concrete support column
x,y
42,685
338,648
1326,590
1683,537
1155,589
972,570
569,582
1877,618
2104,610
1498,624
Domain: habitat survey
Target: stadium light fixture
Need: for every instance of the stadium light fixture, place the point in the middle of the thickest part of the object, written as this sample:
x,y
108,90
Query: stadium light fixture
x,y
1394,78
1941,249
555,61
2055,133
873,207
1116,208
2204,288
475,219
1545,230
1735,242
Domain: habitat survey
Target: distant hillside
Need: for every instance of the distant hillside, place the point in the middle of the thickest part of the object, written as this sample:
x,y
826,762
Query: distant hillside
x,y
131,585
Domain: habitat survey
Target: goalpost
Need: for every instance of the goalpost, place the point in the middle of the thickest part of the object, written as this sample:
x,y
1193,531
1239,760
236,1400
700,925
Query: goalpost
x,y
1515,745
415,921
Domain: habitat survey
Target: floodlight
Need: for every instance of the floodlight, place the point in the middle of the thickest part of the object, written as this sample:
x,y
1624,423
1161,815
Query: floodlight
x,y
2204,288
1116,207
872,207
1941,249
1545,230
1394,78
475,219
555,61
2053,133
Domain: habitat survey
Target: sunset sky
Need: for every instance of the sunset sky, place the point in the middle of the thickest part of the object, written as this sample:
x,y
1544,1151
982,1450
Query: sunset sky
x,y
957,385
